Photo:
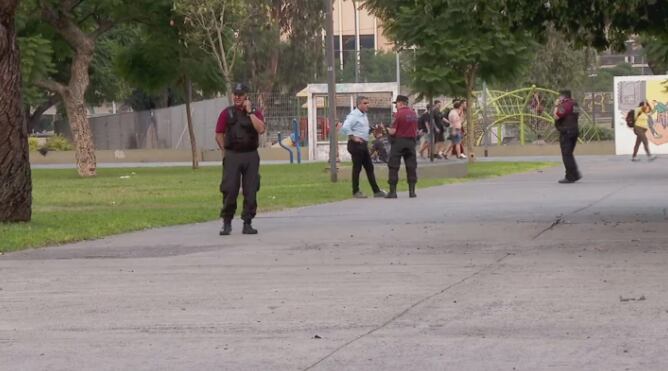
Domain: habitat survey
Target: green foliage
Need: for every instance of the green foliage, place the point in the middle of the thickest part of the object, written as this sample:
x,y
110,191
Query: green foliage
x,y
656,49
67,208
105,83
601,24
33,144
58,143
149,63
558,64
455,41
36,64
597,132
604,79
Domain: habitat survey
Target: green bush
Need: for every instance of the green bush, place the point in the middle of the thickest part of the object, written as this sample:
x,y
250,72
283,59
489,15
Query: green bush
x,y
58,143
33,144
596,132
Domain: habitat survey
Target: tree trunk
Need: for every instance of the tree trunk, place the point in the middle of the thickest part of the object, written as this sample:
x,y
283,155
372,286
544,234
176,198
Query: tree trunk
x,y
470,125
75,105
84,148
189,118
15,179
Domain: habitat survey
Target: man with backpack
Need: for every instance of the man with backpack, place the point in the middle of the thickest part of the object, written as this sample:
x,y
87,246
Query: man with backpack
x,y
237,134
566,115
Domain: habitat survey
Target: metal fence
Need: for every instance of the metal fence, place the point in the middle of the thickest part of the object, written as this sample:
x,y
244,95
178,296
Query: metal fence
x,y
167,128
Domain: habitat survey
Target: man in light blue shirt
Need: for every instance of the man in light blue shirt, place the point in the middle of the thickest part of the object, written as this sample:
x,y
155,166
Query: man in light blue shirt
x,y
356,127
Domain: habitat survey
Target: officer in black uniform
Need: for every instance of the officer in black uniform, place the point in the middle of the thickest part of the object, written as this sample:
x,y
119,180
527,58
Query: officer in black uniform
x,y
237,134
404,133
566,114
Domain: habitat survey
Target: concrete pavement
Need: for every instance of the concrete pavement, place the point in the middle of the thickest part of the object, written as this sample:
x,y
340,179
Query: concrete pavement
x,y
512,273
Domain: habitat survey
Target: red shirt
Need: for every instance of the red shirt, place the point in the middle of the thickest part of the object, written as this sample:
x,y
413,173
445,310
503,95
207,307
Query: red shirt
x,y
565,108
405,121
221,125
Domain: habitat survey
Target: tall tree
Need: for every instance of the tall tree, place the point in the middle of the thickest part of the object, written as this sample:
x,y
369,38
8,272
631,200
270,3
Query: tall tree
x,y
215,26
275,28
15,181
557,64
456,42
159,58
79,24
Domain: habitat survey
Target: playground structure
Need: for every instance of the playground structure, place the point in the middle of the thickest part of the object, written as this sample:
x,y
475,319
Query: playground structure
x,y
502,117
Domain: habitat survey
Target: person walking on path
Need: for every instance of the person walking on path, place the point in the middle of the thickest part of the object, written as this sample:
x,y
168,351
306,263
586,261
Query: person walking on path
x,y
640,126
404,132
356,127
455,117
566,114
237,134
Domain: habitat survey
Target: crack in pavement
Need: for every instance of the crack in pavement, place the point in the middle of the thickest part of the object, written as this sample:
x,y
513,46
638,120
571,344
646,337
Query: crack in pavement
x,y
561,218
405,311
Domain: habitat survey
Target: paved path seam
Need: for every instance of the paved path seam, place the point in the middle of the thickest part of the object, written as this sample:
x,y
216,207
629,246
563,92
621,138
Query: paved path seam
x,y
488,267
560,218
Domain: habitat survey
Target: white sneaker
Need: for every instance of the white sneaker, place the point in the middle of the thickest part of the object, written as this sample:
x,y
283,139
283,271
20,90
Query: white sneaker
x,y
635,159
462,156
651,157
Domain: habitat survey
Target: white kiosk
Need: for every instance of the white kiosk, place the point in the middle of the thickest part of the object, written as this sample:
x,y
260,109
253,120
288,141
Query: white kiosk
x,y
380,94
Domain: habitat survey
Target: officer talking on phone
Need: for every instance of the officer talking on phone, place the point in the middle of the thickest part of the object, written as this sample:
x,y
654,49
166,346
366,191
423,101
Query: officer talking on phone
x,y
238,136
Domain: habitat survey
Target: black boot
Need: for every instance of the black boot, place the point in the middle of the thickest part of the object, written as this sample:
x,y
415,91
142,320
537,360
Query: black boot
x,y
393,191
227,228
411,190
248,229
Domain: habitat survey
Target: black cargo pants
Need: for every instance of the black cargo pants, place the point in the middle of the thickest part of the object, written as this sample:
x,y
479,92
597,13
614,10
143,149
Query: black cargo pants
x,y
240,169
402,147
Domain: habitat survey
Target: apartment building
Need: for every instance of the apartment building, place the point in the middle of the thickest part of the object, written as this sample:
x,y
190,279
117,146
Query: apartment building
x,y
352,21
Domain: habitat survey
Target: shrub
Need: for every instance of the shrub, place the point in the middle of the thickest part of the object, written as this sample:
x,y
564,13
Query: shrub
x,y
596,132
33,144
58,143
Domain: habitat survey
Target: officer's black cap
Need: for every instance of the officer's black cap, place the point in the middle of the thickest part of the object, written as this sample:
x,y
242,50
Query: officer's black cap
x,y
240,89
401,98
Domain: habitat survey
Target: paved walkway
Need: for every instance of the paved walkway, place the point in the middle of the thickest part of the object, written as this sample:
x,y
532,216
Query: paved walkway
x,y
512,273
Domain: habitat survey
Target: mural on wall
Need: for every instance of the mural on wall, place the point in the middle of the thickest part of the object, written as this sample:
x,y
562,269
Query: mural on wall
x,y
629,92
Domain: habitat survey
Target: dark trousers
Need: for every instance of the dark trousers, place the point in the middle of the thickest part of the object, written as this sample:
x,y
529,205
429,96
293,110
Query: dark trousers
x,y
240,169
402,147
641,137
361,158
567,141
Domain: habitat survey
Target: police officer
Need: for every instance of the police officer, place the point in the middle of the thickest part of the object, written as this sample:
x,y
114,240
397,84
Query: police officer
x,y
237,134
566,114
404,132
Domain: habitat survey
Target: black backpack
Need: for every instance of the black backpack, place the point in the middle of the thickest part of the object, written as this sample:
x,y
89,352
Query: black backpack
x,y
422,121
631,118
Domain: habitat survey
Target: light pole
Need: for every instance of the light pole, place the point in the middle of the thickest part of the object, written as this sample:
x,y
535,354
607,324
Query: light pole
x,y
331,89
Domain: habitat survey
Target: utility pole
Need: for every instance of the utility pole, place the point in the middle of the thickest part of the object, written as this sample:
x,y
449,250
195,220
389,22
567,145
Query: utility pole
x,y
357,42
331,90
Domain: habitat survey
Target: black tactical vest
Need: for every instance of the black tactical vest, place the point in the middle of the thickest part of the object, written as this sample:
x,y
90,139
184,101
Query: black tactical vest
x,y
570,122
240,135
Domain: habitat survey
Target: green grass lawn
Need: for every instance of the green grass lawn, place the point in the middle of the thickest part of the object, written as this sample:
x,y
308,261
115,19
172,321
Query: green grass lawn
x,y
69,208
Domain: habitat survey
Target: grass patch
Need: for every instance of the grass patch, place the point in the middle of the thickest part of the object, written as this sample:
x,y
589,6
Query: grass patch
x,y
69,208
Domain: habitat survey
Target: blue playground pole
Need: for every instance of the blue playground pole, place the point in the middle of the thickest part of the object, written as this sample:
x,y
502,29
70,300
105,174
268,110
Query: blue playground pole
x,y
295,130
280,143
